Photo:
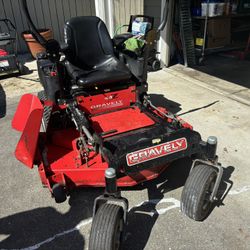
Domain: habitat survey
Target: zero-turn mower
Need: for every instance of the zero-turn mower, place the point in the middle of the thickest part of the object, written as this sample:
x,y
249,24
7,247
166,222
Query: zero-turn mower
x,y
94,125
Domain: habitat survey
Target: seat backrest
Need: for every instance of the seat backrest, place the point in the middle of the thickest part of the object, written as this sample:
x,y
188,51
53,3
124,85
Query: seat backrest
x,y
88,40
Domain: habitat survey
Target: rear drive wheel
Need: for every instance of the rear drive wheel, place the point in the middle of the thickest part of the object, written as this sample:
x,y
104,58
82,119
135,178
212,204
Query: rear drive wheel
x,y
59,193
107,227
195,198
156,65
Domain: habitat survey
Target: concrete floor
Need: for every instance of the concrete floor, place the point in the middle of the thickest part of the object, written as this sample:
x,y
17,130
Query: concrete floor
x,y
227,68
29,218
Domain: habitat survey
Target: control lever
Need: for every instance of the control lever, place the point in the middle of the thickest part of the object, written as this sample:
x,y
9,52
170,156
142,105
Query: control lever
x,y
80,121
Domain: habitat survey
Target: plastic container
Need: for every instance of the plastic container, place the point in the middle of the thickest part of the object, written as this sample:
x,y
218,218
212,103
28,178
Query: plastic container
x,y
213,9
196,11
140,28
221,9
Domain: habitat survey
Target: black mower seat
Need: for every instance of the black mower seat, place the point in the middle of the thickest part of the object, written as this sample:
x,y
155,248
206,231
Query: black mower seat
x,y
90,58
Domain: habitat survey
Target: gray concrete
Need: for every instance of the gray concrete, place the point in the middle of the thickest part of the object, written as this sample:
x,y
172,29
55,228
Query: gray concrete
x,y
30,219
239,91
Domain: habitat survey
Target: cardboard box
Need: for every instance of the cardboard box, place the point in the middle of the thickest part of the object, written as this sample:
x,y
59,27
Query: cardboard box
x,y
219,32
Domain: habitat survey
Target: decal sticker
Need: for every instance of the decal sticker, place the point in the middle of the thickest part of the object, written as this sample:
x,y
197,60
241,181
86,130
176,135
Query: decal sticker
x,y
151,153
107,105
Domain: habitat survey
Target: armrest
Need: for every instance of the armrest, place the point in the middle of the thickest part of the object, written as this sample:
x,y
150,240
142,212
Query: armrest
x,y
118,40
74,72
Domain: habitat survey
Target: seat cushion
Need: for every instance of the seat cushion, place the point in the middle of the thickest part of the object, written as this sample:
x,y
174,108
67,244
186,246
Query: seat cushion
x,y
110,71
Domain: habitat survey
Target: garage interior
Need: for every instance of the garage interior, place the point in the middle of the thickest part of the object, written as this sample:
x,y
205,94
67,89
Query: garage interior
x,y
212,37
221,38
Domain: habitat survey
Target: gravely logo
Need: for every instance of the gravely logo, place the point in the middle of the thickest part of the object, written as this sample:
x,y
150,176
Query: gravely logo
x,y
157,151
107,105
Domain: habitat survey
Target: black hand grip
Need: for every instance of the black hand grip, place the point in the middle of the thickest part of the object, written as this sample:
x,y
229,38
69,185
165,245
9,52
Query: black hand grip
x,y
40,39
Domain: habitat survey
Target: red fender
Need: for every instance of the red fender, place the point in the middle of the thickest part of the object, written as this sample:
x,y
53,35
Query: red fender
x,y
27,104
28,119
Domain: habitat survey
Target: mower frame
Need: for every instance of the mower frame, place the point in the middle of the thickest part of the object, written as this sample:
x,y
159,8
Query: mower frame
x,y
108,135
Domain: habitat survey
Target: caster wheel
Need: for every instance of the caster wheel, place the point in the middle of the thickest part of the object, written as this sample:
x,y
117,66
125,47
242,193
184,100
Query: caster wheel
x,y
195,198
59,193
107,227
156,65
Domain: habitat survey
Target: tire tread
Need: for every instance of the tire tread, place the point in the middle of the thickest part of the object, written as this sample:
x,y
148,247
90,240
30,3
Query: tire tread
x,y
194,190
103,226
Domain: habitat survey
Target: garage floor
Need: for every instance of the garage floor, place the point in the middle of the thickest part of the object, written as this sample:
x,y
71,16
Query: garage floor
x,y
29,218
228,68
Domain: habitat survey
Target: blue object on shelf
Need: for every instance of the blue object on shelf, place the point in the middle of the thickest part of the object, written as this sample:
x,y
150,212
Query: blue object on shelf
x,y
196,11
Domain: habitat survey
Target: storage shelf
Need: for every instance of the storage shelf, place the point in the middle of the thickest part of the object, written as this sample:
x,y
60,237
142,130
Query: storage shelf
x,y
209,51
224,16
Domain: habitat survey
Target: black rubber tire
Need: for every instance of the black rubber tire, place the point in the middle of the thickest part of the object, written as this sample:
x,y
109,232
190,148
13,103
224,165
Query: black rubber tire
x,y
59,193
47,110
195,194
22,69
156,65
106,230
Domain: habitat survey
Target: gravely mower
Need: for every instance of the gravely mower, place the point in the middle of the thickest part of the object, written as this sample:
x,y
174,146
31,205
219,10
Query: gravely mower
x,y
95,126
8,49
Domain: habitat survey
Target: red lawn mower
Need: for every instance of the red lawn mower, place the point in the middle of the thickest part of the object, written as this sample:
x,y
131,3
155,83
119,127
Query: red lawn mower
x,y
95,126
8,49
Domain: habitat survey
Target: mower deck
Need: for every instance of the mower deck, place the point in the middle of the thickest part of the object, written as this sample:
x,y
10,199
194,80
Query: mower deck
x,y
123,132
66,167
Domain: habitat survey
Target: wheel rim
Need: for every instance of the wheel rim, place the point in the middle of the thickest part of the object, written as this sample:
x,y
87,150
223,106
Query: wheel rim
x,y
207,202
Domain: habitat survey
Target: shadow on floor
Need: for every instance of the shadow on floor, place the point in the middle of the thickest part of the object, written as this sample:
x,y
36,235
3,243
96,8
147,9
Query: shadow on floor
x,y
174,107
142,219
2,102
226,68
225,185
161,101
34,226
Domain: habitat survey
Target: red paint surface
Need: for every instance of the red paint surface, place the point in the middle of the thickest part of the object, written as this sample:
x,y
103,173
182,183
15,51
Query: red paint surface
x,y
122,121
26,106
108,101
3,53
27,145
63,169
65,166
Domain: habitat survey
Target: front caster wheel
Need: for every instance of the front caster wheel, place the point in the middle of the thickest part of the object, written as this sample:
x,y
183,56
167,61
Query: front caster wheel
x,y
59,193
107,227
195,198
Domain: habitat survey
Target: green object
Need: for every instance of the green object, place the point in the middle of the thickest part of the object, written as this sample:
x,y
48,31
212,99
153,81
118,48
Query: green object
x,y
135,45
